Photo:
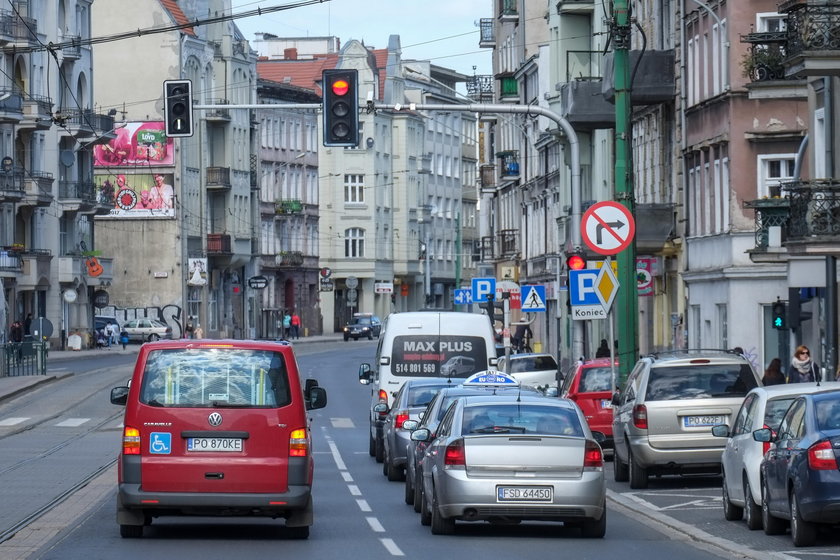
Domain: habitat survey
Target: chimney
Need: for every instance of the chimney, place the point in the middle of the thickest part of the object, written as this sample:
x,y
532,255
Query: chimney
x,y
290,54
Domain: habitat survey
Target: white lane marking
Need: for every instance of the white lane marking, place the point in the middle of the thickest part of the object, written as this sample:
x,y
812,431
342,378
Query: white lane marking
x,y
346,476
392,547
342,423
354,490
339,462
363,505
71,423
12,421
375,525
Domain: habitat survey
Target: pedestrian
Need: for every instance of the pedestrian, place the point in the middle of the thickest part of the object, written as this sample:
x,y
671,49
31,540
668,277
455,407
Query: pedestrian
x,y
124,338
287,325
521,337
802,368
189,330
113,333
198,333
603,350
16,332
27,325
295,323
773,374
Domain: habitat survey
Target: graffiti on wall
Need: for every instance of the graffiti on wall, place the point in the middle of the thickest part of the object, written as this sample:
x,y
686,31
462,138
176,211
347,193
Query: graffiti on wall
x,y
171,315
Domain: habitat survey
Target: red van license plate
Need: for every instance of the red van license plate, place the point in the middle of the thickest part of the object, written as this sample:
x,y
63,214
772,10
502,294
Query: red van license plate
x,y
214,444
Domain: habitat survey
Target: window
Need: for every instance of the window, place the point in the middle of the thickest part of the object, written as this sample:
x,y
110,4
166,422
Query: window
x,y
354,242
354,189
774,170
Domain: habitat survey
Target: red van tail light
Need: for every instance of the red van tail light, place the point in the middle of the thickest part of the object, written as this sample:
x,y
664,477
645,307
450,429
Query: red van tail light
x,y
400,419
131,441
455,456
593,456
821,457
640,417
298,443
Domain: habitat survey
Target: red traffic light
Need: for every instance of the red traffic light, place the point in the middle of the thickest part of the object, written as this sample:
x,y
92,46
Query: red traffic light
x,y
575,262
340,87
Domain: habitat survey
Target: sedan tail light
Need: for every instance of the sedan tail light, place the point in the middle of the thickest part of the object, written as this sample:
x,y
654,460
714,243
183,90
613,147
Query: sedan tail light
x,y
298,443
400,418
640,417
821,457
455,456
593,456
131,441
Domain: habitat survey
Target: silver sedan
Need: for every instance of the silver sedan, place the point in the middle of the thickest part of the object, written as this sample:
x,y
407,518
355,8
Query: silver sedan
x,y
513,458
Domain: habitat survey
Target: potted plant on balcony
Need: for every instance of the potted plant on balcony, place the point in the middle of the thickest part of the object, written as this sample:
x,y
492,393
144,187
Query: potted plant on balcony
x,y
763,63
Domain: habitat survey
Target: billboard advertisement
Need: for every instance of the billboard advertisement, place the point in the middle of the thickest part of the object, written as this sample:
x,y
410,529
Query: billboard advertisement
x,y
136,143
438,356
145,195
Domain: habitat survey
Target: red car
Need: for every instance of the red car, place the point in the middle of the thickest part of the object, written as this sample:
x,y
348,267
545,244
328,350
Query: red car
x,y
590,385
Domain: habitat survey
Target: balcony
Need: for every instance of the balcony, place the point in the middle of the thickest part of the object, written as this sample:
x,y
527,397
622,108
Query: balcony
x,y
10,261
17,30
584,106
11,106
71,47
488,179
37,186
487,249
813,38
654,80
288,206
35,269
508,246
84,123
656,226
77,196
480,88
814,226
289,259
508,88
509,164
487,34
70,269
218,244
11,186
508,10
575,6
37,113
217,178
769,213
218,115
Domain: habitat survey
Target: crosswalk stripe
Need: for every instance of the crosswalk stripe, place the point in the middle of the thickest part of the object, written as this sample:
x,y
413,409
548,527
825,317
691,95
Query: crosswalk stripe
x,y
72,422
12,421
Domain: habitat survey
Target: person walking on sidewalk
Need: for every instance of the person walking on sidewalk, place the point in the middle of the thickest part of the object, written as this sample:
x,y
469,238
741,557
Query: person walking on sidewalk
x,y
295,322
802,367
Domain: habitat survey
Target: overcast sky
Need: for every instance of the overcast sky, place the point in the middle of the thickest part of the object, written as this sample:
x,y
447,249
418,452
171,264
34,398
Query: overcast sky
x,y
443,31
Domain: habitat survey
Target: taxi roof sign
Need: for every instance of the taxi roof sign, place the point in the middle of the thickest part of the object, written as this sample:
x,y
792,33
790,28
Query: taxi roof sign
x,y
490,378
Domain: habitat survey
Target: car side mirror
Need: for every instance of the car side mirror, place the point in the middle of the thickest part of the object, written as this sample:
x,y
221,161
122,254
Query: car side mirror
x,y
421,434
381,408
721,430
364,374
308,384
616,398
316,397
410,425
764,435
119,395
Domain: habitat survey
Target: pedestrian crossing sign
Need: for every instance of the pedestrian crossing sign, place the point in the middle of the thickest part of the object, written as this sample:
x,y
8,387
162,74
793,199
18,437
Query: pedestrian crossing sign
x,y
533,297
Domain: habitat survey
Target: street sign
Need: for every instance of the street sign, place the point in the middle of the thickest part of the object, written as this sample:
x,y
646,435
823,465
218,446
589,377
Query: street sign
x,y
257,282
462,296
352,294
608,227
533,298
606,286
481,288
352,282
511,288
326,285
591,292
383,288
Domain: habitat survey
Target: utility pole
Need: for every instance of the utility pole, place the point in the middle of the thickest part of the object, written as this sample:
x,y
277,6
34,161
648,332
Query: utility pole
x,y
628,302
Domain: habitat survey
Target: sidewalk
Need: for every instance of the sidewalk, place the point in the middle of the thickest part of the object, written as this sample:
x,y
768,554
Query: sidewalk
x,y
12,386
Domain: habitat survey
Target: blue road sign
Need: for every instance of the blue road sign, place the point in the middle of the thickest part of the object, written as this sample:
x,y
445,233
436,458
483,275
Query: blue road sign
x,y
462,296
481,287
582,289
533,297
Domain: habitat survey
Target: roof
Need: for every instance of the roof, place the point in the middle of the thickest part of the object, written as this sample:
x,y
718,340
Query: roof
x,y
177,15
305,74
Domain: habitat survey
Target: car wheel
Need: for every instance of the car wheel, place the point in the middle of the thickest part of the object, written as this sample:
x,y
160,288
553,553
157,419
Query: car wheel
x,y
379,455
418,493
394,473
638,475
595,528
385,461
370,336
752,511
409,489
153,337
802,532
298,533
620,471
425,513
131,531
372,446
346,338
772,525
441,525
730,511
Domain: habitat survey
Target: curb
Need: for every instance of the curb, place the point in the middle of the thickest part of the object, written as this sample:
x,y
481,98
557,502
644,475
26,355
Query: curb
x,y
35,381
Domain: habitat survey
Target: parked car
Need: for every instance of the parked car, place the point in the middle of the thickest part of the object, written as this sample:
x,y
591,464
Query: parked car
x,y
663,415
146,330
363,325
537,370
429,418
457,366
590,384
473,468
216,429
800,479
763,407
411,399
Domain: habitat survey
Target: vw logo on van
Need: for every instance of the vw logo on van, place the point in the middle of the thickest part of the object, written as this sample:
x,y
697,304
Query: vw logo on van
x,y
215,419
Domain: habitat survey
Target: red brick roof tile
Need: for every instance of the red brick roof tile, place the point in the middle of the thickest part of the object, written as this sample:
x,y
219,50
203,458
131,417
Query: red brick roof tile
x,y
178,15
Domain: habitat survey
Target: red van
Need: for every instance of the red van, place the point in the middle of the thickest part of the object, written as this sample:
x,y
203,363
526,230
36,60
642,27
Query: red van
x,y
590,385
216,427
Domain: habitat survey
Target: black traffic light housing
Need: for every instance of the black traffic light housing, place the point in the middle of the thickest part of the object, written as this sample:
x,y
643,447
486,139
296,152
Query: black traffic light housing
x,y
177,108
341,107
780,315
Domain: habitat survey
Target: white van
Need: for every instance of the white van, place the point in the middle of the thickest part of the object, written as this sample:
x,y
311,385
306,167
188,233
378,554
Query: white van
x,y
425,344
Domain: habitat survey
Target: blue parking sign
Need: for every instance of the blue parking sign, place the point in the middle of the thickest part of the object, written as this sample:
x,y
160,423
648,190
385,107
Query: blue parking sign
x,y
482,287
582,290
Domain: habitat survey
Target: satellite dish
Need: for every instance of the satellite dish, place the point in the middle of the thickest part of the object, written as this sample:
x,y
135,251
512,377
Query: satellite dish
x,y
369,142
67,158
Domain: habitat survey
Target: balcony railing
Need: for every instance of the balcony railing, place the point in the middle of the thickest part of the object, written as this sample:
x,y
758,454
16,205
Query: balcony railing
x,y
480,88
507,242
218,244
487,249
218,177
71,47
17,29
288,206
769,212
814,208
509,163
289,258
487,37
764,61
509,87
81,190
219,114
812,27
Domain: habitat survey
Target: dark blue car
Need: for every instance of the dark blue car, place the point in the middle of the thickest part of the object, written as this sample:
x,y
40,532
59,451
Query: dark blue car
x,y
800,479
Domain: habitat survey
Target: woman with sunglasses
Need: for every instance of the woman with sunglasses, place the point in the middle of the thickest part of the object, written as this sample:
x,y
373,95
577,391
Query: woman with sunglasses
x,y
802,368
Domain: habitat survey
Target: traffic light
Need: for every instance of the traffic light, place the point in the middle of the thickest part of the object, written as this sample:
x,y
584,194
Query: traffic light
x,y
341,107
177,108
779,316
575,261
